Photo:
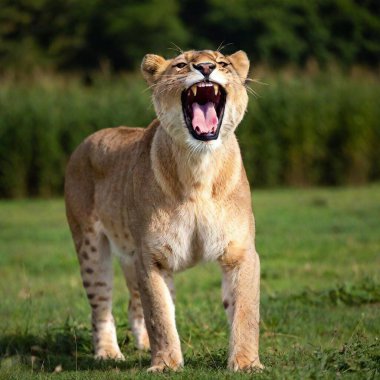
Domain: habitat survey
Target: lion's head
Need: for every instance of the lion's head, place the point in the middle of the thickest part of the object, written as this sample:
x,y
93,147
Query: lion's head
x,y
199,96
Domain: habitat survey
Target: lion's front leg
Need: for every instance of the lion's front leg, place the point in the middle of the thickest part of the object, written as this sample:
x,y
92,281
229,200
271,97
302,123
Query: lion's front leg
x,y
241,298
159,314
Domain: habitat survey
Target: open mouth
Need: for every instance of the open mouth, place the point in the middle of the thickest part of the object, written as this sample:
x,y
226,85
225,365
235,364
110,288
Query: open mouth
x,y
203,107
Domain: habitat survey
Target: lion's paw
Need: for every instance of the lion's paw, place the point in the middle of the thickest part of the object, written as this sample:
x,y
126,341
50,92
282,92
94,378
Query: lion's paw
x,y
109,354
241,363
171,361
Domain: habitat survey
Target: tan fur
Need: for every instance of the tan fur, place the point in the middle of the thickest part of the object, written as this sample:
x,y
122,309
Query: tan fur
x,y
164,201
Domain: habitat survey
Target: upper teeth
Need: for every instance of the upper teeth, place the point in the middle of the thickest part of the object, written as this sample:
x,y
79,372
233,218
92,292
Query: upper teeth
x,y
204,84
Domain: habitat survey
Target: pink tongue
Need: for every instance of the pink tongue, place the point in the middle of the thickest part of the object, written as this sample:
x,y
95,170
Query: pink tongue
x,y
205,119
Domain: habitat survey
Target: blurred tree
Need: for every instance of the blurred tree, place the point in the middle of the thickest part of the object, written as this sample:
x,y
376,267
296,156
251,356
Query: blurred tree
x,y
124,31
281,32
354,27
88,33
42,32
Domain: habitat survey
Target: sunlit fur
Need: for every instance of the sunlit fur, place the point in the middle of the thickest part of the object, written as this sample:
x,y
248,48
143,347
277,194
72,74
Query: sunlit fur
x,y
169,82
165,201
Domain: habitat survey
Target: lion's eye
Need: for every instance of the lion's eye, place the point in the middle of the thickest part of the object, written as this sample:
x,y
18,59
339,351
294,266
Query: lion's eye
x,y
180,65
223,64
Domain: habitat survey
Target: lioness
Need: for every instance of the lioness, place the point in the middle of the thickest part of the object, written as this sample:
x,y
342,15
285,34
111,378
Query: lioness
x,y
164,198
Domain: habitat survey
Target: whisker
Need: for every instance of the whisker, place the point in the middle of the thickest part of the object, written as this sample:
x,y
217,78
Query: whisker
x,y
221,46
252,92
256,81
176,48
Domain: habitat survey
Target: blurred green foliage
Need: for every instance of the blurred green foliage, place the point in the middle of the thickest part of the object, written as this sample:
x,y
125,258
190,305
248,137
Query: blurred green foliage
x,y
313,129
301,130
93,34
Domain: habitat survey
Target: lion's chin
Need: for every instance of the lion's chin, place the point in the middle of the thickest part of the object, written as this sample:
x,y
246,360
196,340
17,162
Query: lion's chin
x,y
203,108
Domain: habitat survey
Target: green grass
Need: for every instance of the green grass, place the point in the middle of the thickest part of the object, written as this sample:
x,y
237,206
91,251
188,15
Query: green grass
x,y
320,309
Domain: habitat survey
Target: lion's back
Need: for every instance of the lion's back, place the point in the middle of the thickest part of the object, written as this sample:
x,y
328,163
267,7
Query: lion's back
x,y
102,157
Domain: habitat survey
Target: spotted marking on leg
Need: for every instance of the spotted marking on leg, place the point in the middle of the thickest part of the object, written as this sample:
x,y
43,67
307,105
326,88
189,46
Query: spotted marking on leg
x,y
96,270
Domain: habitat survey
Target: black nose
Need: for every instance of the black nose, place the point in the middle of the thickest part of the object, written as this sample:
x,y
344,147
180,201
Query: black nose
x,y
206,68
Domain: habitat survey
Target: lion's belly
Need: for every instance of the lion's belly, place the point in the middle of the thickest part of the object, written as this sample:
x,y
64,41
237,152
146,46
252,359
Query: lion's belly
x,y
191,235
182,237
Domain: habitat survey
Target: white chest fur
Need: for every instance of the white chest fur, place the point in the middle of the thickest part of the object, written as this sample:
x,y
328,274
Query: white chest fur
x,y
191,233
195,228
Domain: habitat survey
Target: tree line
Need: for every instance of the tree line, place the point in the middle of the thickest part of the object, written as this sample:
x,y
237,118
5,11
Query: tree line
x,y
115,34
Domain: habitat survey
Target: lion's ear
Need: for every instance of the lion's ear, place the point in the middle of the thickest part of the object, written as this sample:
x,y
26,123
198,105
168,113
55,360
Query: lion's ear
x,y
240,62
151,66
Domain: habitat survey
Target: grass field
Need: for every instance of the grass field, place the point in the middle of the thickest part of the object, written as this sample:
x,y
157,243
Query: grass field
x,y
320,309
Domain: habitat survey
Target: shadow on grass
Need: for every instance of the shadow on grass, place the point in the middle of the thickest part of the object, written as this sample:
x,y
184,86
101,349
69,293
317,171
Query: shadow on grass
x,y
72,351
69,348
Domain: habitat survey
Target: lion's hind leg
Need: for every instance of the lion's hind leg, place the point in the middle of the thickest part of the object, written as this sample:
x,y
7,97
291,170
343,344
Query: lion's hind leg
x,y
97,275
135,310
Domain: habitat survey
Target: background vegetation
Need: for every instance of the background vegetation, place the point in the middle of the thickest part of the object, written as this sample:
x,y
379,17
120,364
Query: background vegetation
x,y
320,291
68,68
92,33
302,130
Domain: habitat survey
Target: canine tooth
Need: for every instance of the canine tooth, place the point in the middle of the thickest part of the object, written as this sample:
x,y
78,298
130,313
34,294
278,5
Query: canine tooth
x,y
194,89
216,89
